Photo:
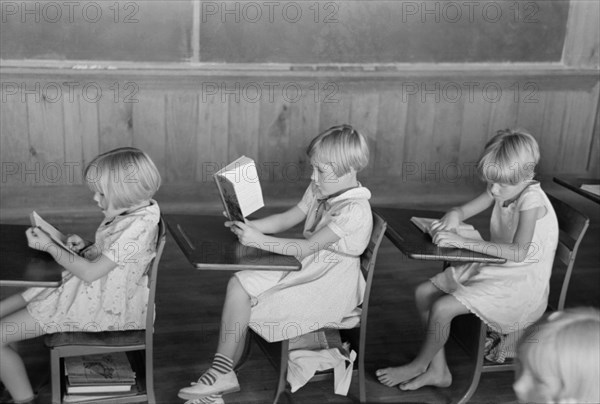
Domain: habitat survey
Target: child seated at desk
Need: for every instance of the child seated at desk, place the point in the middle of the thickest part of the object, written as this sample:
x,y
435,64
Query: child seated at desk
x,y
507,297
559,359
105,284
282,305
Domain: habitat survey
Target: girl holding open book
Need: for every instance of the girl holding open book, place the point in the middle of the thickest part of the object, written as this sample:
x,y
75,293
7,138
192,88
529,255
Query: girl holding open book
x,y
105,285
329,287
507,297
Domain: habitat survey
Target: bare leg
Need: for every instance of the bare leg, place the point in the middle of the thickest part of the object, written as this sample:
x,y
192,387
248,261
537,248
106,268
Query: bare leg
x,y
442,312
16,327
425,296
12,304
234,320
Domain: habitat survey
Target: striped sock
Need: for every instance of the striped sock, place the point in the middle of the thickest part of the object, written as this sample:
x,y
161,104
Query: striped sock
x,y
221,364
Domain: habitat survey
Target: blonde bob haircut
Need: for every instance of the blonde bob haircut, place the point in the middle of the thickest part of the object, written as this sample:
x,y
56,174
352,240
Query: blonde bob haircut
x,y
509,157
342,147
125,176
563,353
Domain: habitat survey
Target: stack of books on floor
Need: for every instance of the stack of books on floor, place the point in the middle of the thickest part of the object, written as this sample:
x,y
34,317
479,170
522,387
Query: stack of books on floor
x,y
92,377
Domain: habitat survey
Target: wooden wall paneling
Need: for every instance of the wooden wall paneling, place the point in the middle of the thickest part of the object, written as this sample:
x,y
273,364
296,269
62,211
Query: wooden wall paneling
x,y
14,142
504,110
582,43
213,137
531,118
391,134
363,116
81,133
335,109
274,138
46,140
579,128
551,134
116,121
304,123
475,132
182,136
447,131
419,138
149,127
243,128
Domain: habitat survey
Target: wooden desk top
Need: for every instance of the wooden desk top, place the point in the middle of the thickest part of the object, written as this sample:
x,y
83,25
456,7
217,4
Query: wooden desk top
x,y
24,266
418,245
208,244
574,184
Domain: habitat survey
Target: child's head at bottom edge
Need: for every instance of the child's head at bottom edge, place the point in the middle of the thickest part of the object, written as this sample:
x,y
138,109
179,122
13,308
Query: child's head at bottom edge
x,y
559,359
122,178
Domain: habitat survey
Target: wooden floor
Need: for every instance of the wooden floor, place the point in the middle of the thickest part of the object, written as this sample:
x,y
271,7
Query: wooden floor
x,y
189,304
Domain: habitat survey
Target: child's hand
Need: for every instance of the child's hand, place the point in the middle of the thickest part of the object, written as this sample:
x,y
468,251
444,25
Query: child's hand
x,y
38,239
448,239
75,243
245,233
449,221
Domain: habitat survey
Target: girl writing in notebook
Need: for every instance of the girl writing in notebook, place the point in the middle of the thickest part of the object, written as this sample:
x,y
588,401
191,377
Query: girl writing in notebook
x,y
105,286
282,305
507,297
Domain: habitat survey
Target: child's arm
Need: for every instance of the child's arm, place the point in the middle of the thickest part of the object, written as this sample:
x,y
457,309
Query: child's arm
x,y
84,269
516,251
279,222
300,248
456,215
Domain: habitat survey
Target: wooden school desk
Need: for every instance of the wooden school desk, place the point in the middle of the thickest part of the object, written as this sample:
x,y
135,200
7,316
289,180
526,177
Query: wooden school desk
x,y
574,184
24,266
418,245
208,244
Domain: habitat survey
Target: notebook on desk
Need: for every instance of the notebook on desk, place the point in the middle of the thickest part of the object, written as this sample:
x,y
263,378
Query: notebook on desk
x,y
464,230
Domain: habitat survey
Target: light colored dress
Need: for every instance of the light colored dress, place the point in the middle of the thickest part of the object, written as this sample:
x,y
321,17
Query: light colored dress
x,y
118,300
511,296
330,285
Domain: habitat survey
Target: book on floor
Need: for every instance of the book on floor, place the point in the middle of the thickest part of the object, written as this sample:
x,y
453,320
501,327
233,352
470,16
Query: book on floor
x,y
464,230
99,370
37,221
98,388
239,188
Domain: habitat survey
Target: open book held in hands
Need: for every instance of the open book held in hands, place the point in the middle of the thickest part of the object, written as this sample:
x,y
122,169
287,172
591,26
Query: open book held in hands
x,y
53,232
463,230
239,188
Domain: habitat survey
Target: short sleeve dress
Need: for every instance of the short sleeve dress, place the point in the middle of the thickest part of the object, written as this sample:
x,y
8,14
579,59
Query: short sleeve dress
x,y
330,285
510,296
118,300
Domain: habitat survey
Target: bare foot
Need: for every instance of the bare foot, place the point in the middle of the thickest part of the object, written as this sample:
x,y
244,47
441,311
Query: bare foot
x,y
399,374
432,377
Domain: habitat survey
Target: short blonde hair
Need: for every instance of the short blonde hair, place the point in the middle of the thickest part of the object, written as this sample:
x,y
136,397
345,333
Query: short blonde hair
x,y
125,176
341,146
563,352
509,157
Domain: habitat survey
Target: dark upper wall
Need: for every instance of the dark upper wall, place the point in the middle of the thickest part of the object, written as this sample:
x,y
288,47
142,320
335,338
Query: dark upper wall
x,y
373,31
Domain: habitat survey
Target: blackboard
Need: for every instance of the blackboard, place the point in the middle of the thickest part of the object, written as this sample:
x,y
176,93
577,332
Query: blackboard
x,y
374,31
301,31
153,31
